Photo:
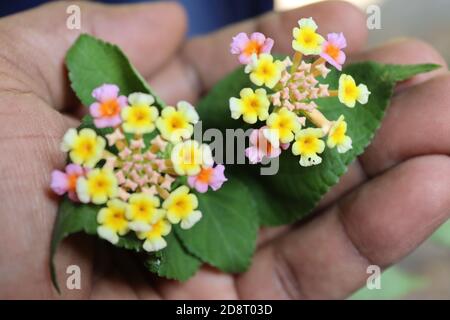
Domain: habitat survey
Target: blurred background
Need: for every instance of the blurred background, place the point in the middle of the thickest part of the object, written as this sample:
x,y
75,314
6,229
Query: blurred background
x,y
425,274
425,19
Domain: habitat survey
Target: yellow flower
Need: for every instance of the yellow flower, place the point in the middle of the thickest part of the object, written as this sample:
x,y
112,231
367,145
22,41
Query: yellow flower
x,y
85,147
253,105
98,186
286,123
337,137
188,157
181,206
142,211
265,71
349,93
177,124
308,144
140,116
112,221
154,240
306,40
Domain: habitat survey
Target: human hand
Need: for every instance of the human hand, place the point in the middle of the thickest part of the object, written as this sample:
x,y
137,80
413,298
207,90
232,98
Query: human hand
x,y
390,200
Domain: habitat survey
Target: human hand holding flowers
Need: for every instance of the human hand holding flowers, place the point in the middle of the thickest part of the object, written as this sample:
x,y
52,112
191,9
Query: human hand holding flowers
x,y
404,170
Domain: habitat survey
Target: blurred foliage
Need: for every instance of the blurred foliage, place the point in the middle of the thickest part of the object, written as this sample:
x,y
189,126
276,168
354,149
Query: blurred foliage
x,y
442,235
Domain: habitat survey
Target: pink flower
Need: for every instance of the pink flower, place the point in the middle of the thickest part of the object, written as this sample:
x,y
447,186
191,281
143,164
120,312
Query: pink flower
x,y
331,49
66,181
209,176
265,143
245,47
106,111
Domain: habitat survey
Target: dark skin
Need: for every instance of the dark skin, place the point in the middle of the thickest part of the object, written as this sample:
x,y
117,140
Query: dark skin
x,y
391,199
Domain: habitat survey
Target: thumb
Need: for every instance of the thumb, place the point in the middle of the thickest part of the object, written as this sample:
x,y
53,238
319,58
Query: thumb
x,y
37,40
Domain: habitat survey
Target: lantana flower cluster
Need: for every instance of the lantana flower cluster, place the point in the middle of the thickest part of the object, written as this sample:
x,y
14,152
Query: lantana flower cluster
x,y
287,94
141,173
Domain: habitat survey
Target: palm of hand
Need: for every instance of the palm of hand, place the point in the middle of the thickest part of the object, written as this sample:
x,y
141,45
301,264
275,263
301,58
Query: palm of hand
x,y
387,203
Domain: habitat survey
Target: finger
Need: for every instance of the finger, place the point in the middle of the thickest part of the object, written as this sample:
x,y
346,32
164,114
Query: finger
x,y
405,51
377,224
177,81
208,283
30,146
353,178
120,277
417,123
210,55
267,234
393,142
148,33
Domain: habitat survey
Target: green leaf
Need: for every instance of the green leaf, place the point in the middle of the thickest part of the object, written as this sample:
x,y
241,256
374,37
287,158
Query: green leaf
x,y
130,242
398,72
92,62
225,237
173,262
294,191
269,210
72,218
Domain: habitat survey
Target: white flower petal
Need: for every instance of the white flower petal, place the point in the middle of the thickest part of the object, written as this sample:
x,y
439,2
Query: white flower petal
x,y
154,244
68,140
272,136
107,234
235,108
310,160
207,158
307,22
189,111
251,66
363,94
192,219
345,146
82,190
139,226
138,98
